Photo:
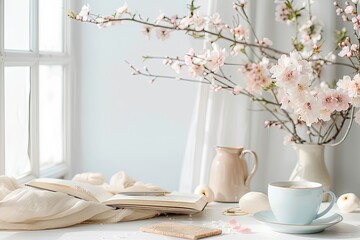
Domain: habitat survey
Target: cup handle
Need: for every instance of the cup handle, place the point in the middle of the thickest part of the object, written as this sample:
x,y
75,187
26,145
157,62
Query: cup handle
x,y
332,202
253,170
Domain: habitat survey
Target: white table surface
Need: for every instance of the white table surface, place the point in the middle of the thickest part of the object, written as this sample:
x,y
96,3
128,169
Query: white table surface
x,y
349,228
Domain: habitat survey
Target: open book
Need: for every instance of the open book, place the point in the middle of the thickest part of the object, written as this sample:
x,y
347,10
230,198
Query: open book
x,y
179,203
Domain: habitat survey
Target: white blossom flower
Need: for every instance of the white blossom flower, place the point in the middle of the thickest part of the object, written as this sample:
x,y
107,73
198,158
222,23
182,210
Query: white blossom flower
x,y
120,11
103,23
159,18
266,42
217,22
238,48
185,22
330,56
344,83
84,13
283,13
199,22
176,66
310,34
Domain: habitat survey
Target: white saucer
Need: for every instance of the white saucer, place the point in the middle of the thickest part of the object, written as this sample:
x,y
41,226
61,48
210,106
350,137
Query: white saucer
x,y
318,225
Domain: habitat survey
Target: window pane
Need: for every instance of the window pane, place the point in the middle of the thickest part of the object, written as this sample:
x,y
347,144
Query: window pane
x,y
51,17
17,100
50,115
17,24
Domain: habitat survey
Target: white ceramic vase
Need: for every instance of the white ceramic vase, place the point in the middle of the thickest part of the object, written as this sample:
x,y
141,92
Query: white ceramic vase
x,y
310,165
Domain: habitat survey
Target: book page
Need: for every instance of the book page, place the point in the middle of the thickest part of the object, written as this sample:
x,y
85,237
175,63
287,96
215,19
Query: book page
x,y
175,200
81,190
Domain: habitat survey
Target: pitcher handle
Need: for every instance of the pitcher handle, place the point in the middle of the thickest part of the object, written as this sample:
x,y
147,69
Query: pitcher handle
x,y
254,156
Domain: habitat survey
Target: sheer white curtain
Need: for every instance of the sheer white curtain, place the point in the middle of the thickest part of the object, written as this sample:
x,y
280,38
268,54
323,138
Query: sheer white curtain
x,y
221,119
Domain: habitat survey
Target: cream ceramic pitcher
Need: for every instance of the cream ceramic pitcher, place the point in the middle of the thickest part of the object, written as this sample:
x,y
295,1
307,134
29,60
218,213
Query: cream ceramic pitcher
x,y
229,178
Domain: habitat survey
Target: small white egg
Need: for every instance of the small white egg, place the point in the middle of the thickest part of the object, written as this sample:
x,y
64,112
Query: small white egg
x,y
205,190
348,202
253,202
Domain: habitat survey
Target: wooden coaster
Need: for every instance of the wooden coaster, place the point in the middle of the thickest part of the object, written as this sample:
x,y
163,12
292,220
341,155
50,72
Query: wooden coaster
x,y
181,230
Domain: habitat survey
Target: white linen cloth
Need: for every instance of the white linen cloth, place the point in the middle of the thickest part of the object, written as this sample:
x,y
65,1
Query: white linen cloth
x,y
27,208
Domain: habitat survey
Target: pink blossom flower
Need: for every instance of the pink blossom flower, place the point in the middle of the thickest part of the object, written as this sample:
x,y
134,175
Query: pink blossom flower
x,y
290,70
196,70
341,100
356,22
354,86
147,31
215,58
350,10
257,76
162,33
238,89
189,57
334,100
298,91
339,11
308,110
240,32
283,99
345,52
236,227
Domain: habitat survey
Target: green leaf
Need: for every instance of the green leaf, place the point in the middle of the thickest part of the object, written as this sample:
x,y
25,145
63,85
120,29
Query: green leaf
x,y
71,14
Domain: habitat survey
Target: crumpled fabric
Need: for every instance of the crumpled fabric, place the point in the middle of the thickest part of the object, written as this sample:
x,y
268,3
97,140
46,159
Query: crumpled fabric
x,y
27,208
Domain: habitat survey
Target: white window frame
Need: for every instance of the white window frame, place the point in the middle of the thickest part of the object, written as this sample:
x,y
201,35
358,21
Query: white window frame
x,y
33,59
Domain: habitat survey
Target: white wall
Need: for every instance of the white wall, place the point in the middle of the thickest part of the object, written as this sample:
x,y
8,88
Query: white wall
x,y
121,122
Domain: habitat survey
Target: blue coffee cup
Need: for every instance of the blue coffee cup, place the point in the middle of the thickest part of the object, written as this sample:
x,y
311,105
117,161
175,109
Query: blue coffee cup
x,y
297,202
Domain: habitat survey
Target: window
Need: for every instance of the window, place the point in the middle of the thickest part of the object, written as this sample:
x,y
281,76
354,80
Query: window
x,y
34,88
